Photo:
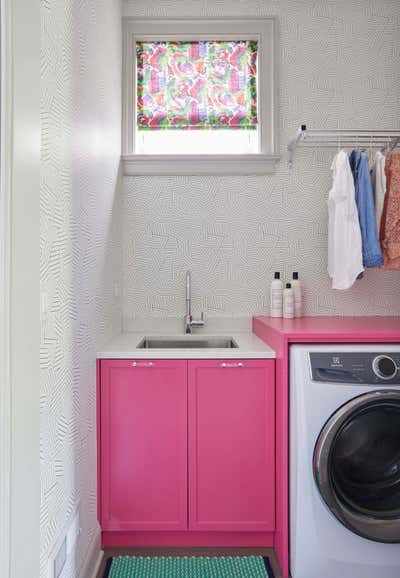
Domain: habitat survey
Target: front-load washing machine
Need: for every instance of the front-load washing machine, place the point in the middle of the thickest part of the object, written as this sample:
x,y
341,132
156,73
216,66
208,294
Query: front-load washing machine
x,y
345,461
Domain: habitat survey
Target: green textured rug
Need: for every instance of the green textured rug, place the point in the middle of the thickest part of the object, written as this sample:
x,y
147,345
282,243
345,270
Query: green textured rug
x,y
188,567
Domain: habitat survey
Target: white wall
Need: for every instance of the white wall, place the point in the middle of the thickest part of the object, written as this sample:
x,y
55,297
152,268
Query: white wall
x,y
339,67
80,252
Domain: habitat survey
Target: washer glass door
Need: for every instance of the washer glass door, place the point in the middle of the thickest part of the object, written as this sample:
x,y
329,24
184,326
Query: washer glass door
x,y
357,465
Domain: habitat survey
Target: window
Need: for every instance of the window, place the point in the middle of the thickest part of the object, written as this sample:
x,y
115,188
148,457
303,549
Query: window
x,y
206,86
200,97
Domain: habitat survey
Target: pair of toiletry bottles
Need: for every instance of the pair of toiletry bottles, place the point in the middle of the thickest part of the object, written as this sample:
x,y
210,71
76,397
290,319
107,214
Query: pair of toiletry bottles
x,y
288,302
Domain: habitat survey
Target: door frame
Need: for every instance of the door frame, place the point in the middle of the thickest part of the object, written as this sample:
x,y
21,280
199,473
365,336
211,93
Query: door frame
x,y
20,289
5,230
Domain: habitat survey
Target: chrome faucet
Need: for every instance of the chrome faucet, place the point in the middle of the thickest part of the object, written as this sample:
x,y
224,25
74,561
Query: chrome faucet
x,y
189,321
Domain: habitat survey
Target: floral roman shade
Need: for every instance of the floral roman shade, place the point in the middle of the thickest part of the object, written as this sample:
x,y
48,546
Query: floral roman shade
x,y
197,85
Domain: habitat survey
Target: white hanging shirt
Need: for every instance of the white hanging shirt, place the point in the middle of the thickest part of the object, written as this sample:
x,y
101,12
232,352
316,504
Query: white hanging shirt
x,y
378,178
344,236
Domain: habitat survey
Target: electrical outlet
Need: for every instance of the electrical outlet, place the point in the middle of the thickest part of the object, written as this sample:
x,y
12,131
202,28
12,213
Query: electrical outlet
x,y
63,552
60,559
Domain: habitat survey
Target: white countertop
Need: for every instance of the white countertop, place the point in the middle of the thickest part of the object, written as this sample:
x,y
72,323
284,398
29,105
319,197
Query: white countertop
x,y
124,346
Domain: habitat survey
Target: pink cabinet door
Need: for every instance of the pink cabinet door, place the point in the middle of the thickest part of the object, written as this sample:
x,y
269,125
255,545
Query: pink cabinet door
x,y
143,440
231,445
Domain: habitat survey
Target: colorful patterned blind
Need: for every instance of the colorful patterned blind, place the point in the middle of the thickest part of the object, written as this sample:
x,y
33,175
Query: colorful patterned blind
x,y
197,85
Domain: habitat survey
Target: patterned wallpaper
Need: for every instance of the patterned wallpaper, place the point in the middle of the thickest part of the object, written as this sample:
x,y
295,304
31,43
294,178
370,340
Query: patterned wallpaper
x,y
339,67
80,251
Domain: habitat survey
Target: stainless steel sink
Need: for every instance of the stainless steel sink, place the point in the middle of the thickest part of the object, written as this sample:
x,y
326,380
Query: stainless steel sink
x,y
189,342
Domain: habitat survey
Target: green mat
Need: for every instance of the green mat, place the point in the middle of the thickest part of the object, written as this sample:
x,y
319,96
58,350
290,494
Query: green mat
x,y
188,567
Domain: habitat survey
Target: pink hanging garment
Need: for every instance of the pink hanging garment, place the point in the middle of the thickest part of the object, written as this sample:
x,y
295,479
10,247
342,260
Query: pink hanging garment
x,y
390,222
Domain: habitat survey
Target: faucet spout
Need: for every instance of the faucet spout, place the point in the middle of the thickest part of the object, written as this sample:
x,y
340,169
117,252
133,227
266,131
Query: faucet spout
x,y
189,321
188,293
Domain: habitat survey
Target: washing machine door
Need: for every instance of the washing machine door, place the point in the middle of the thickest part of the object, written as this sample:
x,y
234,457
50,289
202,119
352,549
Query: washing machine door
x,y
357,465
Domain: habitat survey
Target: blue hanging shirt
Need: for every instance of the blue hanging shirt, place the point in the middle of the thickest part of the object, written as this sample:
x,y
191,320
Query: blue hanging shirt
x,y
371,249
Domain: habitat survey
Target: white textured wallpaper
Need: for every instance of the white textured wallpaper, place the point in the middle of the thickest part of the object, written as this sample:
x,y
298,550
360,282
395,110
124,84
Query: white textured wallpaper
x,y
339,67
80,252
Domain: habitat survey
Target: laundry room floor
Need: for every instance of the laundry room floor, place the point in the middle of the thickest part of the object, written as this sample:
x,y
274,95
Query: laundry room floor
x,y
108,552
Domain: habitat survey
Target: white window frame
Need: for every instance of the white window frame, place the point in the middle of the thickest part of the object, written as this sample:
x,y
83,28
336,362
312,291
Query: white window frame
x,y
264,31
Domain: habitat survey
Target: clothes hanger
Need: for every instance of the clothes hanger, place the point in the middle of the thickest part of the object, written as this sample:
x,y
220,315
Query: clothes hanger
x,y
357,142
365,149
385,148
394,144
370,152
339,146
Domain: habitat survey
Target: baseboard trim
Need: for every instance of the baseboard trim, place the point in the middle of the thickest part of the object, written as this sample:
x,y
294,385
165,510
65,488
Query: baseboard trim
x,y
93,558
186,539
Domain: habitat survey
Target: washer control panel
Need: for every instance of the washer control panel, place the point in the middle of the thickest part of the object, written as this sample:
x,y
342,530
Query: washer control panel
x,y
356,367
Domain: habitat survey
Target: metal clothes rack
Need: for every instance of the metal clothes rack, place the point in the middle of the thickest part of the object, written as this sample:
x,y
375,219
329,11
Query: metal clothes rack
x,y
379,139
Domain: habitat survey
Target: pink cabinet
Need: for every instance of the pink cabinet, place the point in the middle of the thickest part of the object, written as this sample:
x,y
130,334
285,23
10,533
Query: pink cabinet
x,y
143,445
231,445
186,446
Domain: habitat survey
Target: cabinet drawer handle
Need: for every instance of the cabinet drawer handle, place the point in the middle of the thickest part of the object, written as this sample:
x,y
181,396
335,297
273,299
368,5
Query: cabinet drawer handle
x,y
239,364
144,364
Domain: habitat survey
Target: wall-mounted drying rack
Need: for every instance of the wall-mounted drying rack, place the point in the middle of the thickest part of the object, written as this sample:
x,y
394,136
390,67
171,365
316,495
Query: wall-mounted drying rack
x,y
338,138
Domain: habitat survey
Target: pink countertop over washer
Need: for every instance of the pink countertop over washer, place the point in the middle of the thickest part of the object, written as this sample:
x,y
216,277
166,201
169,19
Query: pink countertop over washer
x,y
331,328
279,334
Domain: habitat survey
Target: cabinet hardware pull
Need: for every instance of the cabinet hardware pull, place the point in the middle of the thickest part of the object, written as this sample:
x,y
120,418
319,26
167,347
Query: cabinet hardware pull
x,y
239,364
148,364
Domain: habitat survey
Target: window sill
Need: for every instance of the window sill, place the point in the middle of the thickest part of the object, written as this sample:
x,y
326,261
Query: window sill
x,y
254,164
